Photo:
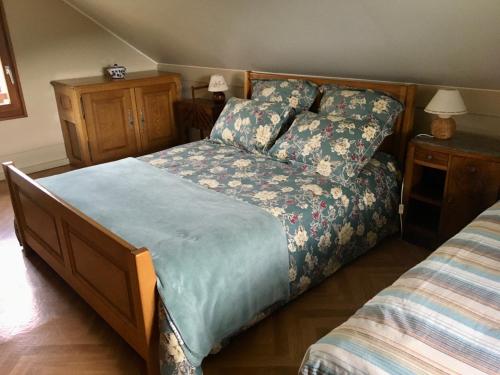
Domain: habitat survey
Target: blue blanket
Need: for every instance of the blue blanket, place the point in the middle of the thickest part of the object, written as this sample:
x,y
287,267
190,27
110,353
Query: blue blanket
x,y
199,240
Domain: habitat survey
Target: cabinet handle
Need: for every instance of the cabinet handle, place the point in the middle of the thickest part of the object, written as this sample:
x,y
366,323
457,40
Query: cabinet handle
x,y
130,119
472,169
142,119
450,200
429,157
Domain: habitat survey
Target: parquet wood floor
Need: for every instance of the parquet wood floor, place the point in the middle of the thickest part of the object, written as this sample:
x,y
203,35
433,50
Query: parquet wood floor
x,y
45,328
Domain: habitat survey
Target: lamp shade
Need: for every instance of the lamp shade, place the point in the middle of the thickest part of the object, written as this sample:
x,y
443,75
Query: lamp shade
x,y
217,83
446,103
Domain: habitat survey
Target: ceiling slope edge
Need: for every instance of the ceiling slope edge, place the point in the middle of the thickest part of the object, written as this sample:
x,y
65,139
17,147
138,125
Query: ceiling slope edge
x,y
108,30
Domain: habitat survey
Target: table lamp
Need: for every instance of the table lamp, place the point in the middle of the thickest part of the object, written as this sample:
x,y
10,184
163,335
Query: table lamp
x,y
444,104
218,85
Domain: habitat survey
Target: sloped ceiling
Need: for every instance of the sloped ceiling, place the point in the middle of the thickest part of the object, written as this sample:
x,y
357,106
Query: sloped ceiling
x,y
446,42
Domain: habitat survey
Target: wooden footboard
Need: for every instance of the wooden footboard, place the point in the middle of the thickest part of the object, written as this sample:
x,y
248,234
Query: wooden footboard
x,y
114,277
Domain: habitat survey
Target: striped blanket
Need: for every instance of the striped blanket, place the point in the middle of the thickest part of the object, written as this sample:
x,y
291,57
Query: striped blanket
x,y
440,317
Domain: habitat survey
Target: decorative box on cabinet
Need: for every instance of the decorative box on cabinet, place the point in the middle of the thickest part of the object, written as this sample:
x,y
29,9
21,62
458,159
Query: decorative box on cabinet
x,y
447,184
103,119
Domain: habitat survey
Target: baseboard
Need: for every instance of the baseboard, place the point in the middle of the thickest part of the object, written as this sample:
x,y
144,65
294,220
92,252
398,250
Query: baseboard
x,y
38,159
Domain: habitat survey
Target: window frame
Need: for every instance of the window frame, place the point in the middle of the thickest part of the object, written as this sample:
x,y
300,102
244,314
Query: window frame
x,y
17,107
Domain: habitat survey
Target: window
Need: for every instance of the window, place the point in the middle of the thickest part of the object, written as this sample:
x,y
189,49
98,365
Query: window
x,y
11,97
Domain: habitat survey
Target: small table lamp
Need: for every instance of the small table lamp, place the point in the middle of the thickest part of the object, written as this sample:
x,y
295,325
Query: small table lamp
x,y
218,85
445,103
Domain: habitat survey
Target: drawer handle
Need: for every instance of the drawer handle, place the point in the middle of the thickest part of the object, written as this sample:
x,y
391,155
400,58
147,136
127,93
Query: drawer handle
x,y
472,169
429,157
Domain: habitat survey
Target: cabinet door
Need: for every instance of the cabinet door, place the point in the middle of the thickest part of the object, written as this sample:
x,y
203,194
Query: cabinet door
x,y
156,116
110,125
473,186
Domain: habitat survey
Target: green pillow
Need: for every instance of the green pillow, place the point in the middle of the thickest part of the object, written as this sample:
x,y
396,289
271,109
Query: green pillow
x,y
300,94
335,146
359,104
251,125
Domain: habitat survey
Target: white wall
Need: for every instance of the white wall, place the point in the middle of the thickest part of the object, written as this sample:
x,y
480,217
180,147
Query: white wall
x,y
53,41
428,42
452,42
483,104
442,42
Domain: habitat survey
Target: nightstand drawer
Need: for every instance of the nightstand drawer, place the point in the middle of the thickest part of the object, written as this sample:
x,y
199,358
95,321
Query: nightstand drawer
x,y
473,186
431,157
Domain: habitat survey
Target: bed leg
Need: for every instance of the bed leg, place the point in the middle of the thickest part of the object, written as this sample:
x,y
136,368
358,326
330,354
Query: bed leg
x,y
153,360
26,249
153,368
18,235
153,363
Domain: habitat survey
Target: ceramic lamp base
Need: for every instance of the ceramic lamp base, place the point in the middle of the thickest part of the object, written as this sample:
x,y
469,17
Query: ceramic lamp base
x,y
219,97
443,128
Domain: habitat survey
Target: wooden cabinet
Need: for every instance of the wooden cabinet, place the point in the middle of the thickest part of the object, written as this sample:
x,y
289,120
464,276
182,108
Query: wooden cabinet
x,y
110,125
105,120
447,184
154,105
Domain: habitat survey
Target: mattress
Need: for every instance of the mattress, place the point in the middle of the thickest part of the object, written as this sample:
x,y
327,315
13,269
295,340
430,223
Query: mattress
x,y
327,223
440,317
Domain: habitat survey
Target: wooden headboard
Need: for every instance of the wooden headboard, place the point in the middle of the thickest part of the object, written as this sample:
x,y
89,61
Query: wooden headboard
x,y
396,143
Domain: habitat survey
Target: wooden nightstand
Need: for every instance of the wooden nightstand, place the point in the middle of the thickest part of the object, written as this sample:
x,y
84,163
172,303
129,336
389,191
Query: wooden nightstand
x,y
447,184
198,114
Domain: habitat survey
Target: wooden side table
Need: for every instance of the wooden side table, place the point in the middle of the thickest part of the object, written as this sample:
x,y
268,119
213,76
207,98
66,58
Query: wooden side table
x,y
447,184
200,114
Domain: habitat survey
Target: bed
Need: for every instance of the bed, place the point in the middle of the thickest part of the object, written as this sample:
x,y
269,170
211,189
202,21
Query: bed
x,y
440,317
114,271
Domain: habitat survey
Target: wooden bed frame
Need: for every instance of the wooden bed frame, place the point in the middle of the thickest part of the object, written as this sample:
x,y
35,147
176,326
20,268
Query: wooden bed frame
x,y
115,278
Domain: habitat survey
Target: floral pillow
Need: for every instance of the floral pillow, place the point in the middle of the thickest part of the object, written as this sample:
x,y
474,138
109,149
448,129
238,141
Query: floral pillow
x,y
300,94
335,146
359,104
251,125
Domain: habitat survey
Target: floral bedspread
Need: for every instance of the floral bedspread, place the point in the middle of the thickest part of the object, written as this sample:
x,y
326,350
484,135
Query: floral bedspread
x,y
327,223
